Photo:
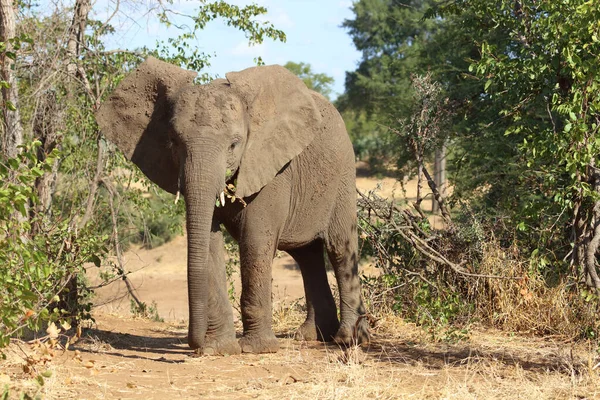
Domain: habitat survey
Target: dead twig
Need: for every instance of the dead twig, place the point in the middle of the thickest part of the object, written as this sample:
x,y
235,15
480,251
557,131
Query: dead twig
x,y
115,236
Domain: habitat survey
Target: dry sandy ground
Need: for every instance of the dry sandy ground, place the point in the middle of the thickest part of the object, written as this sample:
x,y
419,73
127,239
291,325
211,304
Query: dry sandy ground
x,y
125,358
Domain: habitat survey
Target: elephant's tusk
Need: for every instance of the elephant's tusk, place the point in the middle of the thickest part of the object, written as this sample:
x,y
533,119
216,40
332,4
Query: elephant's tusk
x,y
228,192
178,188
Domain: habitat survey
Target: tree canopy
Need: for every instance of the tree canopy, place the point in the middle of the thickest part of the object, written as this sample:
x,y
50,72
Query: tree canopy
x,y
318,82
520,79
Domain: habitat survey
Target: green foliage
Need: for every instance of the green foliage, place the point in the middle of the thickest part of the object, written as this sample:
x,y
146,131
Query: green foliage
x,y
392,38
439,314
390,35
320,83
161,224
146,215
232,265
39,256
372,141
181,50
521,79
537,67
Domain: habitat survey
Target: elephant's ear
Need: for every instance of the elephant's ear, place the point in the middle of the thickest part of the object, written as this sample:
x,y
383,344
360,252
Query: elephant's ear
x,y
283,121
136,117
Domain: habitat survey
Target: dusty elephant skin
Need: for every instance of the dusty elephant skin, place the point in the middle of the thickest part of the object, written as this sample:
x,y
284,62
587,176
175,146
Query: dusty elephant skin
x,y
288,153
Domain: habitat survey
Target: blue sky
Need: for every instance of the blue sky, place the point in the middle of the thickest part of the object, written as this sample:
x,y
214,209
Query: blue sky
x,y
312,27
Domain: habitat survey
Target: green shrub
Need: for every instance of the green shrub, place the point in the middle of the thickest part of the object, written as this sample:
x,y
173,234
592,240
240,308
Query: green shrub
x,y
38,266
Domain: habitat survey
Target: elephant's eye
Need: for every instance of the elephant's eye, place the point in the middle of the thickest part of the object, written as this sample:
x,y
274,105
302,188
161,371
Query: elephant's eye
x,y
173,140
234,145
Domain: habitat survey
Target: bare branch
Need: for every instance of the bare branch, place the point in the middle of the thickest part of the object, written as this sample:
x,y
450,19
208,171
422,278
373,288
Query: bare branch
x,y
116,241
91,199
105,24
412,235
438,196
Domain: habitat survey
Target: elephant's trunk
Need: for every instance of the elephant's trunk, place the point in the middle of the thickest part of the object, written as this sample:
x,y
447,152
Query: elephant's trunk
x,y
202,184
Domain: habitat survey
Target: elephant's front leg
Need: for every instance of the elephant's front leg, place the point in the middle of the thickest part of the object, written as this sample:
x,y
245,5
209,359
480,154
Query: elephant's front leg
x,y
256,256
220,334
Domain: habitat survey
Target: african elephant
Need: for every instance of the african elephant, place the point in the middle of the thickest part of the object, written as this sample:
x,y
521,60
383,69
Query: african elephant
x,y
286,151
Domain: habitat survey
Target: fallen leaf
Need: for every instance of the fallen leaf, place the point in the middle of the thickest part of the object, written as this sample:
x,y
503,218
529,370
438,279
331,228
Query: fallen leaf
x,y
52,330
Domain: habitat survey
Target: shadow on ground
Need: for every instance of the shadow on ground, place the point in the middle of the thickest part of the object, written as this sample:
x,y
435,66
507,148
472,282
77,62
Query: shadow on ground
x,y
169,343
170,346
435,359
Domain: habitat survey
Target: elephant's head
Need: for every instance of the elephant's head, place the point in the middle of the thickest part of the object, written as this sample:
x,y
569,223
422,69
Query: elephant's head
x,y
191,137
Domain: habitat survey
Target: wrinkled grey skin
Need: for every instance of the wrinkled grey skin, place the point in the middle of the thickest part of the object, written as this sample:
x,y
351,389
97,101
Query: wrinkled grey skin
x,y
287,150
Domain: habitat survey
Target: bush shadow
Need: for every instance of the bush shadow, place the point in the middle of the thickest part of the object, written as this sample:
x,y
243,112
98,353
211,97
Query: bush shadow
x,y
131,345
457,355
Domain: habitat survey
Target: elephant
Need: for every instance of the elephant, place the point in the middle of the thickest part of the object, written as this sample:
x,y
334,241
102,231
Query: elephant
x,y
283,152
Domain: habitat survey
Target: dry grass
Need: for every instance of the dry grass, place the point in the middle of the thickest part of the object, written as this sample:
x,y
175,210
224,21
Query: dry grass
x,y
288,316
27,370
491,365
401,363
529,305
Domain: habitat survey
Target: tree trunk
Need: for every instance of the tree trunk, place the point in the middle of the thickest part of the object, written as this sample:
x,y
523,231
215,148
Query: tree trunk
x,y
76,34
91,198
47,123
75,44
586,234
592,241
439,176
13,131
76,37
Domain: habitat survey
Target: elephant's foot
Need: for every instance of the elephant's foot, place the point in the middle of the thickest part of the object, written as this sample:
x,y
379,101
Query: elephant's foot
x,y
355,334
323,332
265,343
221,346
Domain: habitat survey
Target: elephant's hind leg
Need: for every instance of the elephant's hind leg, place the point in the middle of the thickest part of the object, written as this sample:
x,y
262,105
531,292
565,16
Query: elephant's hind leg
x,y
220,335
342,249
321,321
